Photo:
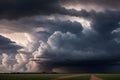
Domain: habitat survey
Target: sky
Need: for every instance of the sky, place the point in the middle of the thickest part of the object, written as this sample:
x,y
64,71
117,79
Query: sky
x,y
64,36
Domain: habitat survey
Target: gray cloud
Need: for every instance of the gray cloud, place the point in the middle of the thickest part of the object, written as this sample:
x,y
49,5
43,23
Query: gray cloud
x,y
17,9
104,4
7,46
62,43
20,8
97,47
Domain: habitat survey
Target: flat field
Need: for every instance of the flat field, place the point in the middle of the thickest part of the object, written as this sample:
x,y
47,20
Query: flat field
x,y
108,76
59,76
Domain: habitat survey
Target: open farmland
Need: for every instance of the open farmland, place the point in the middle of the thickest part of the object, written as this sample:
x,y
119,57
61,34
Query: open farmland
x,y
59,76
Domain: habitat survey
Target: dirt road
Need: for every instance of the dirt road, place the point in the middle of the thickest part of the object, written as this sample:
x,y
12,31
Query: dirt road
x,y
64,77
92,77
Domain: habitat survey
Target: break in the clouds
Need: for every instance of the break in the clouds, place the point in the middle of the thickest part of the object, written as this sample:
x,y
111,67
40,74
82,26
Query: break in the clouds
x,y
53,35
98,5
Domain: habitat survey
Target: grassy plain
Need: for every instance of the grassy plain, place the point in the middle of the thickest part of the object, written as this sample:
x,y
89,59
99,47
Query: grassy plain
x,y
55,76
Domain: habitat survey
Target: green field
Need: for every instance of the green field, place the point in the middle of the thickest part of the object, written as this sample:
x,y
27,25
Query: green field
x,y
30,76
109,76
55,76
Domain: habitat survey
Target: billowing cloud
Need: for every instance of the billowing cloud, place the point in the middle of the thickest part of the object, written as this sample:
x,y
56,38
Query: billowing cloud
x,y
54,37
97,46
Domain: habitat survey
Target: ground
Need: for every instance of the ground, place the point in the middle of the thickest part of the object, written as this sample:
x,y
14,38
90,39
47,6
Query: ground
x,y
59,76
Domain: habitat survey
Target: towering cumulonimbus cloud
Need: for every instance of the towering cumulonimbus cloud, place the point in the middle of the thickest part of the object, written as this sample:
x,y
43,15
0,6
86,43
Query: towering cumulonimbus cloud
x,y
56,35
99,46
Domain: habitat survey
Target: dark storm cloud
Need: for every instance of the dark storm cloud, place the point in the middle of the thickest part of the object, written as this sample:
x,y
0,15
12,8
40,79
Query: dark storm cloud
x,y
63,43
7,46
101,40
50,26
90,66
19,8
106,22
64,26
91,48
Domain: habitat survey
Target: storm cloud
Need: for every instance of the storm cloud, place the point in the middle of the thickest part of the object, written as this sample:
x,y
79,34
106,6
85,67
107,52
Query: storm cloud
x,y
19,8
95,47
7,46
57,38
